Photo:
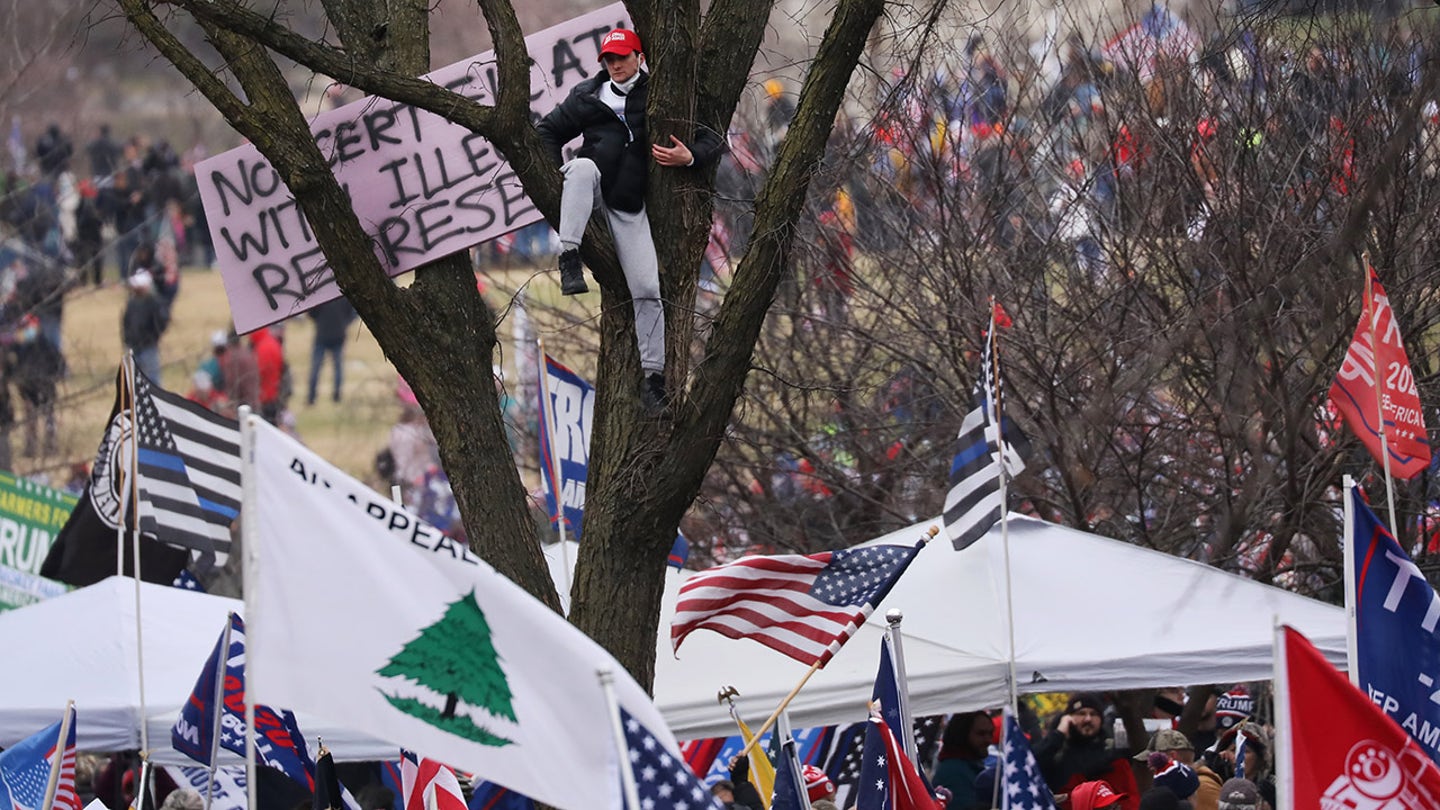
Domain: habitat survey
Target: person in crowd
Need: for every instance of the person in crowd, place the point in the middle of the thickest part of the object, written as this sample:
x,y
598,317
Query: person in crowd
x,y
963,749
219,344
609,173
203,391
412,446
104,153
183,799
1161,798
122,204
143,323
1095,795
1078,749
818,785
40,291
270,360
1240,794
1259,767
1173,774
724,792
89,234
239,374
36,371
53,151
332,323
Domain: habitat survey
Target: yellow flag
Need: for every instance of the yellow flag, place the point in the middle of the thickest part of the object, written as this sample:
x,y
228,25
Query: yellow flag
x,y
762,771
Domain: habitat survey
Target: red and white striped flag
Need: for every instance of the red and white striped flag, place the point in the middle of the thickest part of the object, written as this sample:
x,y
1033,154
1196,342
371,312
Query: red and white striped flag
x,y
429,785
806,607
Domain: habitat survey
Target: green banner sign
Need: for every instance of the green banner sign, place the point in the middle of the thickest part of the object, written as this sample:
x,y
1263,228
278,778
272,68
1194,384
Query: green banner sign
x,y
18,589
30,517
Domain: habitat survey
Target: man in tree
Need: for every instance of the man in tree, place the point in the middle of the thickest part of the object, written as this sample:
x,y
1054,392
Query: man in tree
x,y
609,173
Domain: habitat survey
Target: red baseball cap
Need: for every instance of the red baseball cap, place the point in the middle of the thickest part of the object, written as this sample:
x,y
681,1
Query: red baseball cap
x,y
1094,795
621,41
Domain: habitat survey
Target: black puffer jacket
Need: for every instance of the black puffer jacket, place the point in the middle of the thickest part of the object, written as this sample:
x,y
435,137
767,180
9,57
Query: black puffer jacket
x,y
620,149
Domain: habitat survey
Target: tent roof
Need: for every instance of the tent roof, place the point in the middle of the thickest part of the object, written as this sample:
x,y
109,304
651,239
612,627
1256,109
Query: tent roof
x,y
1089,613
81,646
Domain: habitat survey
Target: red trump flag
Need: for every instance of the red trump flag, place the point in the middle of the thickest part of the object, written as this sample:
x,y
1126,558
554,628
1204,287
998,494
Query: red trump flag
x,y
1338,749
1377,360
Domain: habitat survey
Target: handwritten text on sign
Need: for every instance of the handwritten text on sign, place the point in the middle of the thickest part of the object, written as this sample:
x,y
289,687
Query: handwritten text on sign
x,y
421,186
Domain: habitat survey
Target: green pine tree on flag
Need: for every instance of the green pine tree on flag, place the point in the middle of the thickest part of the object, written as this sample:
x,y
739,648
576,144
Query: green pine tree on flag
x,y
455,657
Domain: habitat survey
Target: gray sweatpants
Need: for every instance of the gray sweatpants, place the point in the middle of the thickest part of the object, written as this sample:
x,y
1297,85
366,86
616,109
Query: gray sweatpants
x,y
578,199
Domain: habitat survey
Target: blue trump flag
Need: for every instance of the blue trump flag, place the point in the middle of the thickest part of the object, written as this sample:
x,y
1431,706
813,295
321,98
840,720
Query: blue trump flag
x,y
1396,612
278,741
567,413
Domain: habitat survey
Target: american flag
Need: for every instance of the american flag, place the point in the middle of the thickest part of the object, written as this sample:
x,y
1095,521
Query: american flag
x,y
187,581
661,776
985,452
189,472
25,769
1024,787
803,606
429,785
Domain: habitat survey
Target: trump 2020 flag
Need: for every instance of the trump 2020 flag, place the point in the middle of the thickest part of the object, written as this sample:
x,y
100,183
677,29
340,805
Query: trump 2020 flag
x,y
567,413
1396,643
1376,376
39,764
278,741
442,655
1342,751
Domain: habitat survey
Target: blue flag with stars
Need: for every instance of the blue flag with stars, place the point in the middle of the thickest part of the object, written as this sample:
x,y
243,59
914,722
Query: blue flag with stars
x,y
663,779
789,782
1024,788
873,790
25,770
187,581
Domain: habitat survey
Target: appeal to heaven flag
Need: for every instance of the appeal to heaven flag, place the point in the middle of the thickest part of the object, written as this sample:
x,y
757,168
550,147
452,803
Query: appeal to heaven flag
x,y
805,606
1376,360
443,654
1397,647
1340,749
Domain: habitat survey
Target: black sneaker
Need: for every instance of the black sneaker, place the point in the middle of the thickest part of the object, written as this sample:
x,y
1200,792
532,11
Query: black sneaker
x,y
653,396
572,277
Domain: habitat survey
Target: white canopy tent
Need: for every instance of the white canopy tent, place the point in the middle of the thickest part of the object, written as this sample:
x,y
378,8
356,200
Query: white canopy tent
x,y
82,646
1090,613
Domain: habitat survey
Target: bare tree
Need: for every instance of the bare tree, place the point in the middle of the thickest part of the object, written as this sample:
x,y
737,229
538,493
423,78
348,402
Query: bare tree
x,y
645,472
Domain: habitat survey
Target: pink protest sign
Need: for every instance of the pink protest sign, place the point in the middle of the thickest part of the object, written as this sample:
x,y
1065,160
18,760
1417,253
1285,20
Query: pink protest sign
x,y
422,186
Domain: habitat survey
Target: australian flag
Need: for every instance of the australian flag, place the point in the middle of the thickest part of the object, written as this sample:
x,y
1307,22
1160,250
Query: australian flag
x,y
1397,654
1023,784
278,741
873,790
662,778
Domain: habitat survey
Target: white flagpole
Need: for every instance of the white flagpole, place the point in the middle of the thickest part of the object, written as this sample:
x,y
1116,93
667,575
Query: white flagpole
x,y
992,393
893,618
792,758
248,529
133,484
52,785
547,412
1347,542
219,703
1379,399
1284,735
627,775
